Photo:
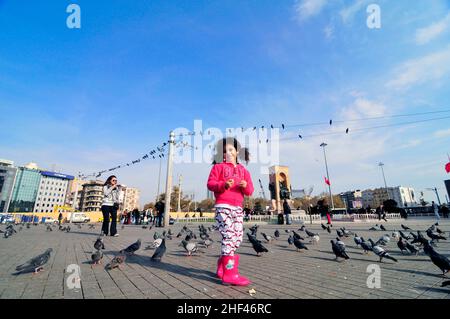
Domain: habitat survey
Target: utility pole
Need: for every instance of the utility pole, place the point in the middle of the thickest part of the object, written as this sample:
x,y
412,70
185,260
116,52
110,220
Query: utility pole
x,y
384,178
159,179
437,194
328,175
180,178
169,179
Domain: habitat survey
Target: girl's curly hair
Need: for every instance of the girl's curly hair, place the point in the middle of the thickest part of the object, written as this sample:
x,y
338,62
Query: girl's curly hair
x,y
243,152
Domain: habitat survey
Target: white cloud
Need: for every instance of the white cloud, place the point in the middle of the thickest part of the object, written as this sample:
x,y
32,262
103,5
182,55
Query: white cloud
x,y
425,35
348,12
363,108
429,68
329,31
442,133
308,8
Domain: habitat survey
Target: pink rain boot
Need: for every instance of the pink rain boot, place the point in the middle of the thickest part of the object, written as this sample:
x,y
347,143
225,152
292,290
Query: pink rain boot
x,y
219,272
231,273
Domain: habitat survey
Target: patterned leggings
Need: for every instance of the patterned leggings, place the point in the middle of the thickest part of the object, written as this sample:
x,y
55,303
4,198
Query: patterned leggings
x,y
230,222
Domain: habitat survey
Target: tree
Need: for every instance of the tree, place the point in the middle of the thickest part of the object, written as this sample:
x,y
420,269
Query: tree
x,y
206,204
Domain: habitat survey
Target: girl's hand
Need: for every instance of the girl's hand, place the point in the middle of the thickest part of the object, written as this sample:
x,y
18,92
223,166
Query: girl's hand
x,y
229,183
243,184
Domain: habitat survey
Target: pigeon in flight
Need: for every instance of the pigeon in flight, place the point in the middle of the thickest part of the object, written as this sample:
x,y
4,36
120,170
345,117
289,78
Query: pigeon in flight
x,y
132,248
35,264
99,244
380,252
116,262
338,250
160,251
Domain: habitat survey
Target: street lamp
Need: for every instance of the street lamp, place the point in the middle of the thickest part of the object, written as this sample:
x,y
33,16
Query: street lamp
x,y
435,190
328,175
384,178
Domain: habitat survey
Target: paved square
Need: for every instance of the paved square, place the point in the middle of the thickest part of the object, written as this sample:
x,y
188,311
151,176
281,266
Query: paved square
x,y
281,273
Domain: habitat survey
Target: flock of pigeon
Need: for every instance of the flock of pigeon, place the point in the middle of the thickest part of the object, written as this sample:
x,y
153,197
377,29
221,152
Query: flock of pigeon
x,y
408,241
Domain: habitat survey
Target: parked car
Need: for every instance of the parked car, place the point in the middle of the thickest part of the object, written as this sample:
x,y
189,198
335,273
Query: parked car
x,y
50,220
80,218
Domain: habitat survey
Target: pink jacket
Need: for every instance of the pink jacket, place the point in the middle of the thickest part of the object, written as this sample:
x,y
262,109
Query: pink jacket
x,y
234,196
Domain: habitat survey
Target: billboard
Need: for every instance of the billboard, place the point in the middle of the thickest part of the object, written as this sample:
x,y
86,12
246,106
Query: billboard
x,y
57,175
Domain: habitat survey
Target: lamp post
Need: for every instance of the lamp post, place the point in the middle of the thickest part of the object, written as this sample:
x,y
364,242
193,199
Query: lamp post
x,y
323,145
169,179
437,194
384,179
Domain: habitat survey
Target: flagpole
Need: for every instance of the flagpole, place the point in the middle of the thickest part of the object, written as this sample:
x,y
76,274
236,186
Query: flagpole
x,y
328,175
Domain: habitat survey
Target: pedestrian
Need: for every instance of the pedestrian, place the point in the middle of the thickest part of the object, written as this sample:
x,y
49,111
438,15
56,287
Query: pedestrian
x,y
287,211
230,181
110,205
444,210
324,209
435,209
60,217
159,207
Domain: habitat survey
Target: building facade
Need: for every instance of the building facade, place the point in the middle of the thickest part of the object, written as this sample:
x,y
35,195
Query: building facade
x,y
404,196
75,187
92,196
130,198
352,199
7,178
52,191
26,188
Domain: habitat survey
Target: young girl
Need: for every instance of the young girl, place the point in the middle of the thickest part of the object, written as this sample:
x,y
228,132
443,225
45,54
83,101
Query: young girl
x,y
230,181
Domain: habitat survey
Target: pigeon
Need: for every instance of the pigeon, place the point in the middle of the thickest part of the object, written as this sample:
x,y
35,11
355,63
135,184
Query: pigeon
x,y
179,235
156,235
170,232
315,239
340,242
207,242
297,236
412,249
144,227
376,227
366,246
92,226
291,240
384,240
287,230
299,245
123,227
310,234
116,262
20,228
68,229
97,257
339,233
268,238
156,243
402,245
204,236
35,264
160,251
435,236
445,283
346,232
257,245
132,248
405,227
439,260
323,226
49,228
339,250
419,238
380,252
302,228
402,234
189,247
276,234
357,240
99,244
395,234
382,227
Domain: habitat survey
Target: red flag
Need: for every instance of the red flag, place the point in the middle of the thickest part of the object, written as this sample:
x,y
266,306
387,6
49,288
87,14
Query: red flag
x,y
447,167
327,181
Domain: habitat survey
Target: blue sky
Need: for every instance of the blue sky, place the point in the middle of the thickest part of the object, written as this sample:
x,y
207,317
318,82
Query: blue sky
x,y
90,99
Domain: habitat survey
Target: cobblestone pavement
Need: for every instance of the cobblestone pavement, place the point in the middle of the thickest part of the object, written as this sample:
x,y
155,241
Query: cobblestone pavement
x,y
281,273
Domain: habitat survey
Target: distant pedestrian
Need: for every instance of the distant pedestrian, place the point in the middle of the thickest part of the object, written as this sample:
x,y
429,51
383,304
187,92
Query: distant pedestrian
x,y
435,209
60,217
287,212
110,205
444,210
324,209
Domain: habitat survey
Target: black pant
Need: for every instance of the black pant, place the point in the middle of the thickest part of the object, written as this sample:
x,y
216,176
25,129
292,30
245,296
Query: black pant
x,y
107,211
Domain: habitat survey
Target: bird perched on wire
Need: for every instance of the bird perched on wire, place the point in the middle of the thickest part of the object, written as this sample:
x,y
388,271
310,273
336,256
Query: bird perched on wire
x,y
35,264
116,262
190,247
97,257
160,251
257,245
338,250
99,244
132,248
380,252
